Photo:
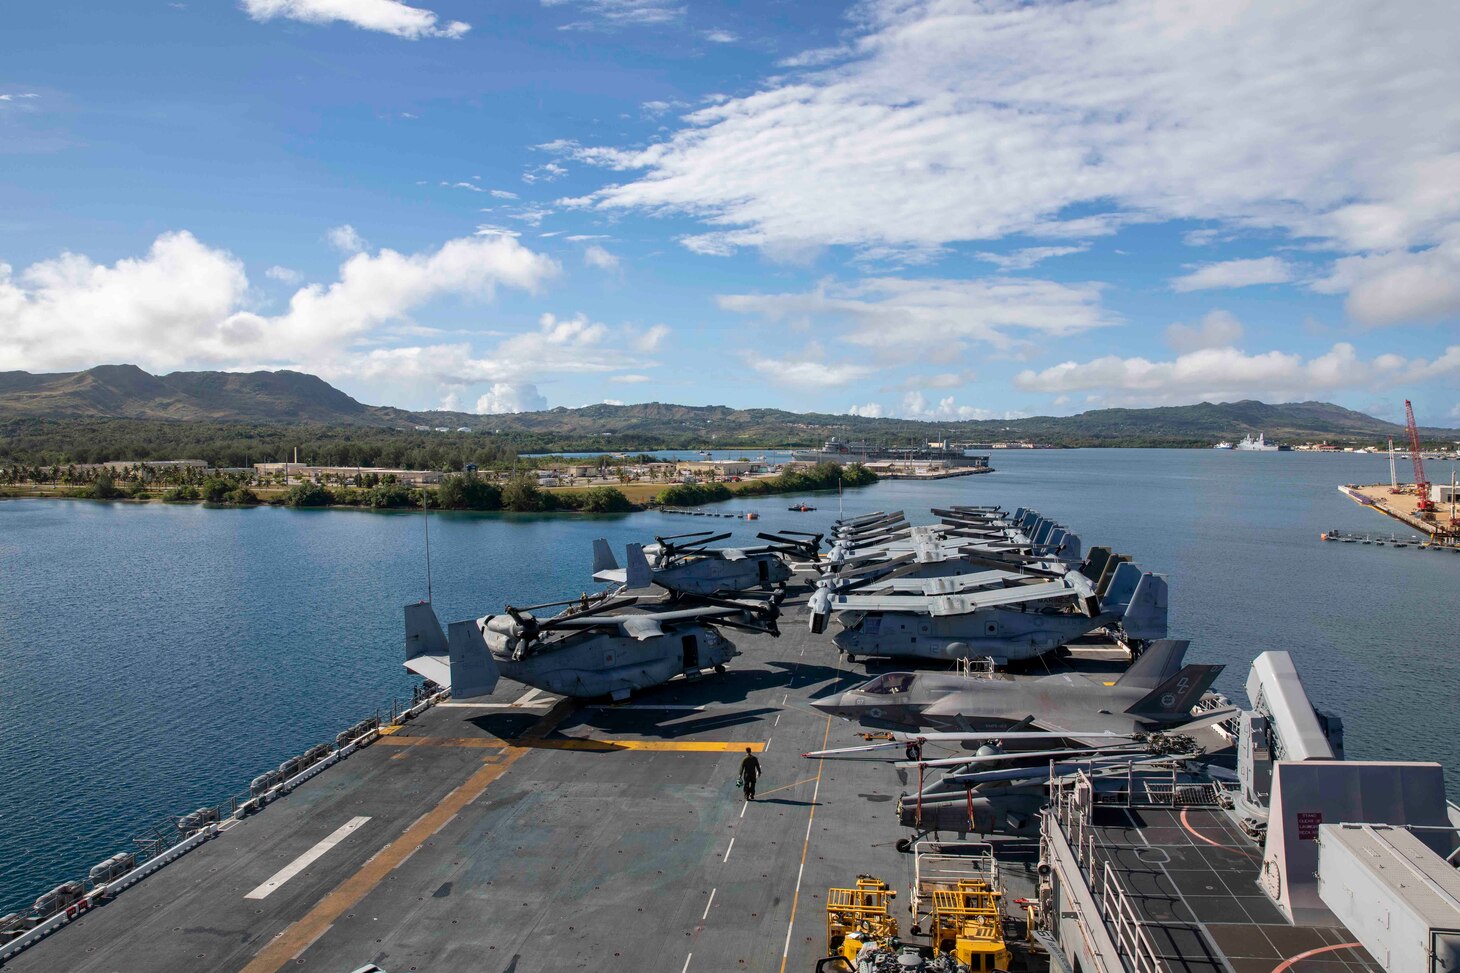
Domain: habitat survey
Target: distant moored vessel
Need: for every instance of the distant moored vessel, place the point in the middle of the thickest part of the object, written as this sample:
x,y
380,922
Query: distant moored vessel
x,y
1258,445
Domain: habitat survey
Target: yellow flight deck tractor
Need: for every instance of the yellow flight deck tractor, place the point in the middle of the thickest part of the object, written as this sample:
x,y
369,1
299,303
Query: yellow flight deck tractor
x,y
861,917
967,924
862,935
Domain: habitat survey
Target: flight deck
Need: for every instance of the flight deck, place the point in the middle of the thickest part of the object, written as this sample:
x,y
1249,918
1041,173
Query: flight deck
x,y
521,832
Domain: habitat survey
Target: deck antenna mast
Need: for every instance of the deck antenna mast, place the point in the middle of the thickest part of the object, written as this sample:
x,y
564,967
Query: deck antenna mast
x,y
426,525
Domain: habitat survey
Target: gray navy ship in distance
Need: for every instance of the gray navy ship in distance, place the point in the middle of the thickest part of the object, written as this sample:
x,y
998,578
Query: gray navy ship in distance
x,y
1065,794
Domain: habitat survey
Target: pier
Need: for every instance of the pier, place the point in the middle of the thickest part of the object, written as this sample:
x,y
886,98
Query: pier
x,y
1442,531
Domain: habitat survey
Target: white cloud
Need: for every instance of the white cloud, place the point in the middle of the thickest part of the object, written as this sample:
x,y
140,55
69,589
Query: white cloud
x,y
386,16
916,406
870,410
1234,273
917,317
948,121
811,370
650,339
1214,374
503,194
616,14
473,187
1219,329
346,239
596,256
613,401
1392,288
184,303
630,379
507,398
17,98
450,402
720,36
1028,257
284,275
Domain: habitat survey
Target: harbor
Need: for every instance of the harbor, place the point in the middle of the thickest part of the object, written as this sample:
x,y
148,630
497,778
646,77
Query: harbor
x,y
527,829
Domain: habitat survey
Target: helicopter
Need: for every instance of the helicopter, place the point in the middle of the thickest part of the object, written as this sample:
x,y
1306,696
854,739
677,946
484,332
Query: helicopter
x,y
591,649
685,564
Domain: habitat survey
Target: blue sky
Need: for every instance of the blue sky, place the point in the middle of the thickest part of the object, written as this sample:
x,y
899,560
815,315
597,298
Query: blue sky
x,y
923,209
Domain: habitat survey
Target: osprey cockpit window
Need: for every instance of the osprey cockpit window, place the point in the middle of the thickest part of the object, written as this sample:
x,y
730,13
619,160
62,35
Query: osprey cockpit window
x,y
888,683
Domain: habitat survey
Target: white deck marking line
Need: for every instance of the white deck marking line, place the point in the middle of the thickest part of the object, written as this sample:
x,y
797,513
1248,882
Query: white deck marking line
x,y
767,747
727,851
305,860
707,906
743,806
528,697
777,721
686,962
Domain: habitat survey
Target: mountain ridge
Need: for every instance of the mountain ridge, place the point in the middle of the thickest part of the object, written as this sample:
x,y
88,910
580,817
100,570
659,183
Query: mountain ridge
x,y
127,392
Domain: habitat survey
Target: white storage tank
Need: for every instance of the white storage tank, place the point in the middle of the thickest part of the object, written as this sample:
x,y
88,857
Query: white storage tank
x,y
1394,893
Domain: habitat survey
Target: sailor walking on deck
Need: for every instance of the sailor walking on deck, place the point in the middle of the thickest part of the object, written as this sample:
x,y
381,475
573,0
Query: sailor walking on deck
x,y
749,773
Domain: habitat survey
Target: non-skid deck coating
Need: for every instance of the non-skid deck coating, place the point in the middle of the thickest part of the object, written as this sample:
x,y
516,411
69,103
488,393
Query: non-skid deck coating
x,y
523,833
1192,877
488,852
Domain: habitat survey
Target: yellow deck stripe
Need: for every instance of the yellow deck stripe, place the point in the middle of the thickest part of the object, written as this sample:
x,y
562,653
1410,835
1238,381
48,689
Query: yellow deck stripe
x,y
579,743
477,742
805,847
315,923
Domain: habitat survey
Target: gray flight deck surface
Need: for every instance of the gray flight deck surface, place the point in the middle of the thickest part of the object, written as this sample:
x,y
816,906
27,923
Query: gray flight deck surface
x,y
483,856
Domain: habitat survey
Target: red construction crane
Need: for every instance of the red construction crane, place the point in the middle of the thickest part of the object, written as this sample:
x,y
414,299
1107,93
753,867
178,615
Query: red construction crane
x,y
1421,485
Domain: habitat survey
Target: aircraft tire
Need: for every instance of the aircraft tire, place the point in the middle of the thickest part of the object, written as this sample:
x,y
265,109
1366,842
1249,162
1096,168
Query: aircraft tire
x,y
720,670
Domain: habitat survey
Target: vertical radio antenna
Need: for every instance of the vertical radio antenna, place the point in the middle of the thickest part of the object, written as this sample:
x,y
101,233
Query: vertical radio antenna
x,y
426,525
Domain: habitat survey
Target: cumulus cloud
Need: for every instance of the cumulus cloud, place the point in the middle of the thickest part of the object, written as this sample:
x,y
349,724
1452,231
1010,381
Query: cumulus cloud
x,y
504,398
386,16
943,121
596,256
185,303
870,410
284,275
916,406
1234,273
346,239
918,317
1228,373
1219,329
1395,287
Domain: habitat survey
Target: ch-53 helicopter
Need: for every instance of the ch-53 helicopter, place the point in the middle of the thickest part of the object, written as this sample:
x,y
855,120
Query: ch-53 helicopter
x,y
685,564
591,649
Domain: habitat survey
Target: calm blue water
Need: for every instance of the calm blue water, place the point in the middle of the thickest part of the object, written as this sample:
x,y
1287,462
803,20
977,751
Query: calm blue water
x,y
158,657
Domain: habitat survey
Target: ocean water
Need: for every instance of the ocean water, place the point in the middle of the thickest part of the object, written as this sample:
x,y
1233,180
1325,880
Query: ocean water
x,y
157,657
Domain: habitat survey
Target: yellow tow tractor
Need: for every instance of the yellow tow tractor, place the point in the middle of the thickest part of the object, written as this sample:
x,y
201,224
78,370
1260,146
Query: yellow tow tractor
x,y
859,919
967,923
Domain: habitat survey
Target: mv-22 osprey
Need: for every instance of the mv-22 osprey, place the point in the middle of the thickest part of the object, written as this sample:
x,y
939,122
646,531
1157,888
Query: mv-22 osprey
x,y
592,649
685,564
